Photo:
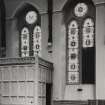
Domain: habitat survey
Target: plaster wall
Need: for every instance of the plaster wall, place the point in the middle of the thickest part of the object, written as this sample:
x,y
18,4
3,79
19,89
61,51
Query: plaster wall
x,y
100,52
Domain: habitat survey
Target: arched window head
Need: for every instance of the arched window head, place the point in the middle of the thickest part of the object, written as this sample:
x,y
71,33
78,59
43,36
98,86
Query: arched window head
x,y
29,26
79,19
73,34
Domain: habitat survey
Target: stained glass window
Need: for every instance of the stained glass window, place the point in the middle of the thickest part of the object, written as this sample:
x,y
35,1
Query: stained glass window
x,y
37,40
25,42
30,32
88,33
80,41
73,52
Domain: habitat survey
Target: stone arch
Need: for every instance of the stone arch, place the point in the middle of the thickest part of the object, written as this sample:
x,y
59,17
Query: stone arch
x,y
23,6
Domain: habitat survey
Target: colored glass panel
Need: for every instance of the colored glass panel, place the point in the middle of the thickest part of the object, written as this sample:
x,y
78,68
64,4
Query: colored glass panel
x,y
37,40
73,52
25,42
80,9
73,77
88,33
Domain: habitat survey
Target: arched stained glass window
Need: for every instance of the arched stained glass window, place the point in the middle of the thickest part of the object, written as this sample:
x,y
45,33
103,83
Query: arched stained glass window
x,y
37,40
79,18
25,42
29,26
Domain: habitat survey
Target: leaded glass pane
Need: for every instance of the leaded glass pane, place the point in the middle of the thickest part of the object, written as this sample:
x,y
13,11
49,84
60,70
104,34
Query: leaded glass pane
x,y
72,43
25,53
88,23
73,29
25,42
73,66
73,77
88,33
88,36
25,31
73,24
31,17
88,30
73,35
88,43
73,60
73,52
80,9
37,40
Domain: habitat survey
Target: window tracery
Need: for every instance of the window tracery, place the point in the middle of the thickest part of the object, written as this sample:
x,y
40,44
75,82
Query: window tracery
x,y
80,9
30,32
81,43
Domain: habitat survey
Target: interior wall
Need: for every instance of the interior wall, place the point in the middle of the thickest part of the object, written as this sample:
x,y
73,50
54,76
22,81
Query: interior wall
x,y
59,50
45,34
12,39
61,91
100,52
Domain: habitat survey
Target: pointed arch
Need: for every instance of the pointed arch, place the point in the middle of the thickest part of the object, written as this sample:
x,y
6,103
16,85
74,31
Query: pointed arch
x,y
28,18
70,4
23,6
